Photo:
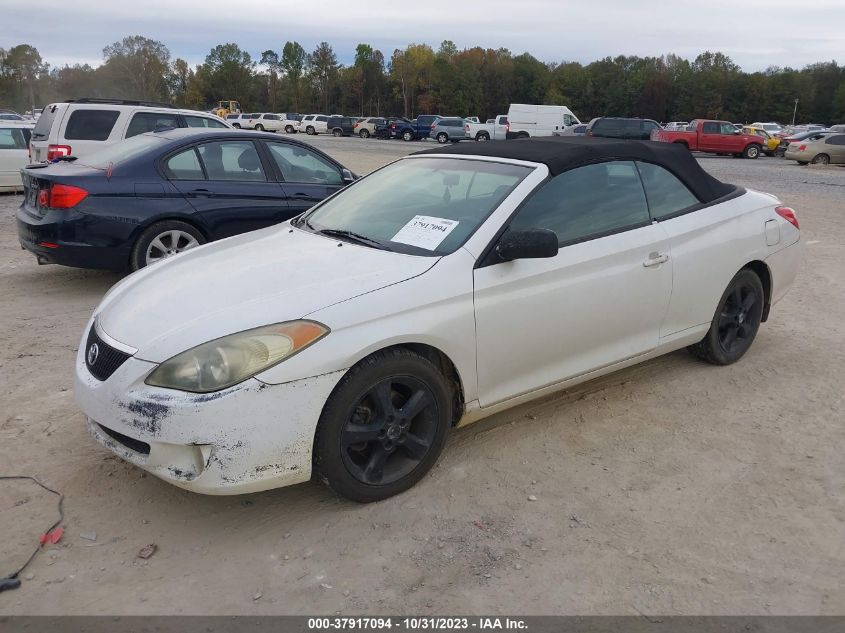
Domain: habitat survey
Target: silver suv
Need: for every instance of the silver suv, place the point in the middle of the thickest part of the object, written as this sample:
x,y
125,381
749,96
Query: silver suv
x,y
446,129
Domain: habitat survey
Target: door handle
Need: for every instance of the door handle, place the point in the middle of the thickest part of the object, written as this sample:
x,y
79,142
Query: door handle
x,y
300,196
201,193
655,259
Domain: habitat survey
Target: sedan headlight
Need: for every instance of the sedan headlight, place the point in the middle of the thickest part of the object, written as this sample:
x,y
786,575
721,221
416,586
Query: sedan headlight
x,y
231,359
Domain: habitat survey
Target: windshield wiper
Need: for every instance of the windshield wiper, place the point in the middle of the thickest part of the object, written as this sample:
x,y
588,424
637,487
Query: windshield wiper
x,y
353,237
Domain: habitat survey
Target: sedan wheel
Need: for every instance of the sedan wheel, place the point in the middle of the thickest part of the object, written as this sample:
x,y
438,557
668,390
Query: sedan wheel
x,y
383,427
736,321
164,240
821,159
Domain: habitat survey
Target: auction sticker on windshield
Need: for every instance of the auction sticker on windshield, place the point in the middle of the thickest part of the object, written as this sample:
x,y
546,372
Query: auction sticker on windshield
x,y
425,231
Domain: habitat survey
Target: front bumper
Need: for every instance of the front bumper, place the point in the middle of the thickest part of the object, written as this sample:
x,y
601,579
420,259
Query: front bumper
x,y
250,437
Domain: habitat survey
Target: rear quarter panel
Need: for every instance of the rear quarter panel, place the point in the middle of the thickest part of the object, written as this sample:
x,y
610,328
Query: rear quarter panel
x,y
709,246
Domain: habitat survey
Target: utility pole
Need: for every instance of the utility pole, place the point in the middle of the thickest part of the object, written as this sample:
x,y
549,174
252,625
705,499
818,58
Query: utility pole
x,y
794,111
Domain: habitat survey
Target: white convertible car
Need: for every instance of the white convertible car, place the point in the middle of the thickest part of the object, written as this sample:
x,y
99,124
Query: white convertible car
x,y
438,290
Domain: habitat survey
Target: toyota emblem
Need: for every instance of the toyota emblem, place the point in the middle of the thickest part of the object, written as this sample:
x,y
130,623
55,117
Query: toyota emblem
x,y
93,353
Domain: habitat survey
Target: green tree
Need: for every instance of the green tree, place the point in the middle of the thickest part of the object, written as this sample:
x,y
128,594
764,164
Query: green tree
x,y
228,73
22,65
138,67
324,69
294,63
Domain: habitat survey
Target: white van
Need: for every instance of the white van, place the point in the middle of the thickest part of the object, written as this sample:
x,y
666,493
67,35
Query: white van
x,y
86,125
14,139
538,120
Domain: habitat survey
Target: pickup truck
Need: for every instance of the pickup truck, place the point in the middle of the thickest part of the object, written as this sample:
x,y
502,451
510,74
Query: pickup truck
x,y
714,137
494,129
413,130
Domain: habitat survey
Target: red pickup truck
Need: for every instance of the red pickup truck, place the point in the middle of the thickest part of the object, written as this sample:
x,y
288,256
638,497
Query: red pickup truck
x,y
715,137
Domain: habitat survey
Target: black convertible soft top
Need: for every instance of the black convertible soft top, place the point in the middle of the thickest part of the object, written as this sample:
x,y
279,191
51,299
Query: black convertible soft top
x,y
562,153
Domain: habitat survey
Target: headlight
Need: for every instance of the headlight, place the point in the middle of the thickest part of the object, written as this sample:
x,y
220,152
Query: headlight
x,y
227,361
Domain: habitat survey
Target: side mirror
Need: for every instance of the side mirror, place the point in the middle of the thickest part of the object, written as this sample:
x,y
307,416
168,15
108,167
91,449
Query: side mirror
x,y
528,244
737,132
348,176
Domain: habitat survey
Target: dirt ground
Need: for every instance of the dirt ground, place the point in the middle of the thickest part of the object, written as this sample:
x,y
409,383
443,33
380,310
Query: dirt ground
x,y
673,487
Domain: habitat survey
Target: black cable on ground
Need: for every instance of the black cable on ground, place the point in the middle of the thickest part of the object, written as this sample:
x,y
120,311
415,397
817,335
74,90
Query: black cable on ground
x,y
12,581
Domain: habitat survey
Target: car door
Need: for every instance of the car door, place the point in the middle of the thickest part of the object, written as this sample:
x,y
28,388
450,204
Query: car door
x,y
306,176
710,139
834,146
599,301
13,155
229,186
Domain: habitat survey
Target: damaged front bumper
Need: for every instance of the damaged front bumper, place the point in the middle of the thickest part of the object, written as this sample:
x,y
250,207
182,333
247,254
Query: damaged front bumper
x,y
250,437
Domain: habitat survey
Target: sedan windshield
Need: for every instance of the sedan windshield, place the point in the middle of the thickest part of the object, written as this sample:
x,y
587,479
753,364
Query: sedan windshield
x,y
421,206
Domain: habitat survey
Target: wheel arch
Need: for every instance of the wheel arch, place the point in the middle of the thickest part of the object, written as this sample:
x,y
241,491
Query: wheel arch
x,y
170,218
442,361
761,269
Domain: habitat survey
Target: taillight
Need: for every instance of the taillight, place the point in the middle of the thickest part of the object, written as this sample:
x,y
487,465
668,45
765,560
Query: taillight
x,y
392,126
507,127
789,215
802,148
57,151
61,196
356,125
433,125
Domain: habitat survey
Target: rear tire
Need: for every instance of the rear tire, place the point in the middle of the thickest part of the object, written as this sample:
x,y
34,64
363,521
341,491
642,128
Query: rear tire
x,y
364,134
237,125
442,138
259,128
337,132
383,427
289,129
164,239
482,136
310,130
736,321
407,135
821,159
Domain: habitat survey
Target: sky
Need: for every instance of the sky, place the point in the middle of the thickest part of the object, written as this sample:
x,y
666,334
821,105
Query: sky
x,y
756,34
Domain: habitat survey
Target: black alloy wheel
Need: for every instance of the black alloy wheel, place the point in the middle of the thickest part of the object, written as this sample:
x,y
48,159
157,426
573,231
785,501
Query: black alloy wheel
x,y
736,321
384,426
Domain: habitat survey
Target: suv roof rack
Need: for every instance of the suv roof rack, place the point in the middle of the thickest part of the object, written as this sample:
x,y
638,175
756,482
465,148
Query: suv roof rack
x,y
149,104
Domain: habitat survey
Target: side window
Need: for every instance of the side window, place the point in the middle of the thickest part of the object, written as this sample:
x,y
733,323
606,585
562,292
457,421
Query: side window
x,y
150,121
587,202
648,126
666,194
201,121
568,119
232,160
835,140
185,165
12,138
710,128
90,125
321,119
727,128
298,164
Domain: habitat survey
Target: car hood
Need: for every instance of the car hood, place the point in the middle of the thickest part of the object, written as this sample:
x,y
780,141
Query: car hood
x,y
267,276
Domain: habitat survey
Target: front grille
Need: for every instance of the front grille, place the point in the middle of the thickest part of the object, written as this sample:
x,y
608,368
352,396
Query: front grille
x,y
132,444
102,359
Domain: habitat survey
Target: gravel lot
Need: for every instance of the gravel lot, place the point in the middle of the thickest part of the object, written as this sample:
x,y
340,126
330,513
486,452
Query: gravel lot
x,y
673,487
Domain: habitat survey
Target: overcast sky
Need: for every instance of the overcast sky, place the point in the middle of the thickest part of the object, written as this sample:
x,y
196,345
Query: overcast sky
x,y
754,33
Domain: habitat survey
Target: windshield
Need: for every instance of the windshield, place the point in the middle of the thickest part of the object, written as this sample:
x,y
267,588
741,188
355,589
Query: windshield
x,y
123,151
420,206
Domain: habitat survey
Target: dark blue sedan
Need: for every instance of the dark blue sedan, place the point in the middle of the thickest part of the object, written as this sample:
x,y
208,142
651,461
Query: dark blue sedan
x,y
158,194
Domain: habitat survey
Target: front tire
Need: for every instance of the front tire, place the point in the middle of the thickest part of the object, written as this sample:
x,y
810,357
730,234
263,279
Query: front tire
x,y
383,427
163,240
752,151
736,321
337,132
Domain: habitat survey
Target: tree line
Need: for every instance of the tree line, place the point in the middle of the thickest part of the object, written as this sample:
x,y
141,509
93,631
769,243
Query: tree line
x,y
420,80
